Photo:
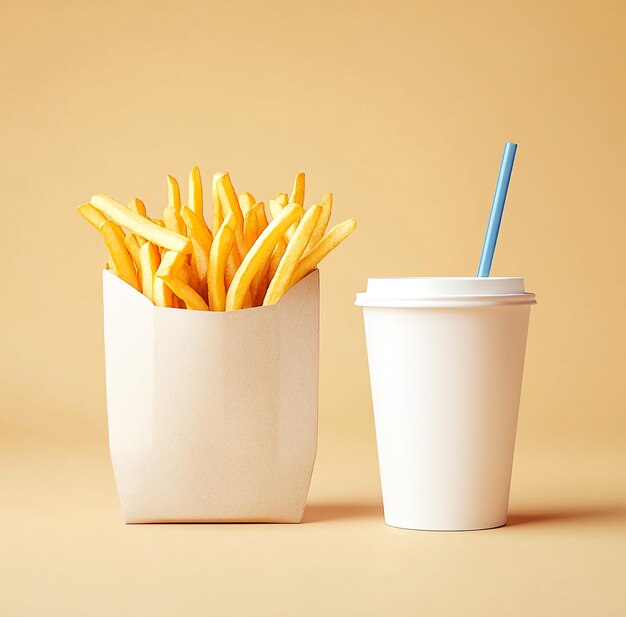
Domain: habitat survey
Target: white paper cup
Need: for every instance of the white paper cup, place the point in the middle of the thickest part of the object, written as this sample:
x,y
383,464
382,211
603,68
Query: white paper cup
x,y
446,357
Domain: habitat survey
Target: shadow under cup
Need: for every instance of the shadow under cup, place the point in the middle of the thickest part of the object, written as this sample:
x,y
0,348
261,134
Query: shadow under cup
x,y
446,358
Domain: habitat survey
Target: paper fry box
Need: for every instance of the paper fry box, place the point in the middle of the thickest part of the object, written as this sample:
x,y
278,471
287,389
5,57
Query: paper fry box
x,y
212,416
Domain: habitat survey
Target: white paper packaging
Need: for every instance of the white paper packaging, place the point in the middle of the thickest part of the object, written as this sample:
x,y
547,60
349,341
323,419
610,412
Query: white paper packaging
x,y
212,416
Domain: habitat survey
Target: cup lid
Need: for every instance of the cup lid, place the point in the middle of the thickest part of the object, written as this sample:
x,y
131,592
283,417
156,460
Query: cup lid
x,y
444,291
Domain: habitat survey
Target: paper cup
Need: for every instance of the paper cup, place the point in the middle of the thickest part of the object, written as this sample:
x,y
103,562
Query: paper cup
x,y
212,416
446,357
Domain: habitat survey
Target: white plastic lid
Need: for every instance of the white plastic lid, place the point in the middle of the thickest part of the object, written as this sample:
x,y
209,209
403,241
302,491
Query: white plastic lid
x,y
444,291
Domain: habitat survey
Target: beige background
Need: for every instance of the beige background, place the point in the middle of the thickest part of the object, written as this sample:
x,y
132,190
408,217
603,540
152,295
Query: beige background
x,y
401,110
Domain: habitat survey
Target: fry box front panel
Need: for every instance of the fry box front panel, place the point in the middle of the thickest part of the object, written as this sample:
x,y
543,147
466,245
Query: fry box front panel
x,y
212,416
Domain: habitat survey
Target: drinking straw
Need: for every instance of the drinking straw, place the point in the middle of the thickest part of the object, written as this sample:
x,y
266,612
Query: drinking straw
x,y
497,206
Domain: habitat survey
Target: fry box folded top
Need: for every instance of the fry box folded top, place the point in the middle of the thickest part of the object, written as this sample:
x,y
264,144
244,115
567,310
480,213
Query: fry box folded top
x,y
212,415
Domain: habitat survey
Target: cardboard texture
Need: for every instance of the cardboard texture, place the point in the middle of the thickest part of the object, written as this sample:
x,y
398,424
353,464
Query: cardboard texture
x,y
212,416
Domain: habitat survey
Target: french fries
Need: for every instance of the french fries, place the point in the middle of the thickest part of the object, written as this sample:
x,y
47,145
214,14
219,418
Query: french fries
x,y
123,262
196,202
140,225
150,258
330,241
259,252
92,216
230,203
248,261
220,249
322,223
291,257
246,202
186,293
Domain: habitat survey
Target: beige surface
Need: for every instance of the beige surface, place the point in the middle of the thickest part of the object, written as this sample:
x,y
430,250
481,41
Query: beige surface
x,y
66,551
401,109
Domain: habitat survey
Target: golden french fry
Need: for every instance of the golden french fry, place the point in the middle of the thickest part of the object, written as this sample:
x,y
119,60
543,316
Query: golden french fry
x,y
280,282
173,193
159,222
260,251
123,262
282,199
250,234
246,202
257,281
171,262
192,299
322,223
259,210
230,203
140,225
149,257
111,267
247,301
222,244
195,192
133,247
275,207
331,240
188,274
233,261
171,214
173,221
92,216
200,264
218,214
297,193
250,229
277,255
201,240
162,294
136,205
198,229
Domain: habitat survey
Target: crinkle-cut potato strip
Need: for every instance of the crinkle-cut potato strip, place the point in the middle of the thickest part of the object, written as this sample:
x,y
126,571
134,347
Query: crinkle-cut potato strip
x,y
259,252
192,299
331,240
140,225
280,282
124,266
222,244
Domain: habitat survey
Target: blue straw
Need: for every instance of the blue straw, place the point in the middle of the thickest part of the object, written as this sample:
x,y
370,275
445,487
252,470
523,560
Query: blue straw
x,y
495,216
